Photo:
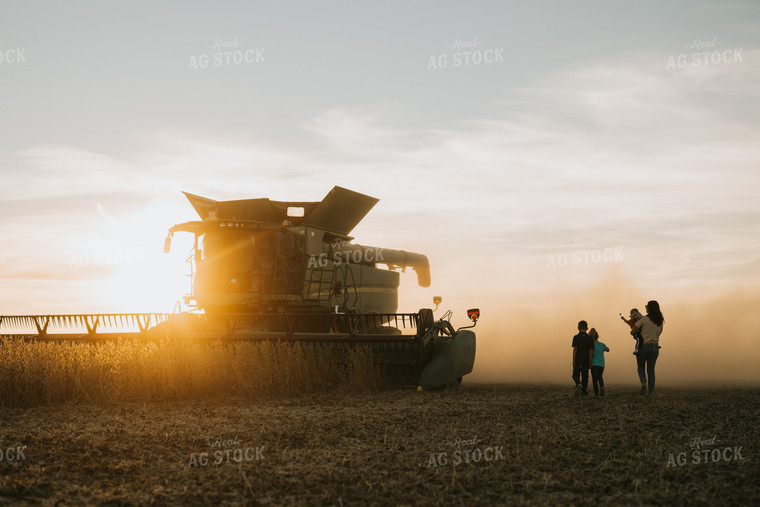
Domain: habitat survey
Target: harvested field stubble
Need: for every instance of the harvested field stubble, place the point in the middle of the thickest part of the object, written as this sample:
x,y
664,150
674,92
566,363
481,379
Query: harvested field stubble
x,y
388,447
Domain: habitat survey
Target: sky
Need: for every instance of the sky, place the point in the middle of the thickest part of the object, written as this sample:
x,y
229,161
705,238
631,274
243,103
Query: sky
x,y
555,160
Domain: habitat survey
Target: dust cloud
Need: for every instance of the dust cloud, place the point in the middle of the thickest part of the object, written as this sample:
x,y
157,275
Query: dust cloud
x,y
707,339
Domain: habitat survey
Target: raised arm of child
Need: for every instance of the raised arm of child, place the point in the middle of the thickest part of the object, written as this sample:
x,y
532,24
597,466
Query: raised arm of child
x,y
630,321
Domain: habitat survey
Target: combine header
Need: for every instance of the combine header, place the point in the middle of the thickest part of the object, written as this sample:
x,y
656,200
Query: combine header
x,y
266,270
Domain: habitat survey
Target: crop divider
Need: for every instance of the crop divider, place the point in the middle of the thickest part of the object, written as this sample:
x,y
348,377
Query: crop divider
x,y
42,330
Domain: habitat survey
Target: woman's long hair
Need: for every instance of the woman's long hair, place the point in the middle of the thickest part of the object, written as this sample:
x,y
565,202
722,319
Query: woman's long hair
x,y
654,313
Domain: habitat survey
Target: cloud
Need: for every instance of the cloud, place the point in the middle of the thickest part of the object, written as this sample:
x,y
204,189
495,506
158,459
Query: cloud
x,y
58,170
652,162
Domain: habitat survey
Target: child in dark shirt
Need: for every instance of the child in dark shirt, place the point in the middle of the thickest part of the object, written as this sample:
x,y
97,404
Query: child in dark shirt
x,y
635,316
583,351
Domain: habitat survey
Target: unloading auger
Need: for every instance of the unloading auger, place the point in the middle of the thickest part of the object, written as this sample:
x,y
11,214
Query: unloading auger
x,y
264,270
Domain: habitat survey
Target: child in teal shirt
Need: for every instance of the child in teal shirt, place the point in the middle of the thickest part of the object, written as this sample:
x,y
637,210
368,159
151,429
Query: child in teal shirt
x,y
597,363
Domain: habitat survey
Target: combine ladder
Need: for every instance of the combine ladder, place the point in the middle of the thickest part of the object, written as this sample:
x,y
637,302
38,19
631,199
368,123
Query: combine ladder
x,y
331,286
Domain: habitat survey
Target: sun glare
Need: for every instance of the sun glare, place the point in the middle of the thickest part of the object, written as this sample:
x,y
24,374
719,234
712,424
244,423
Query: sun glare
x,y
153,284
143,278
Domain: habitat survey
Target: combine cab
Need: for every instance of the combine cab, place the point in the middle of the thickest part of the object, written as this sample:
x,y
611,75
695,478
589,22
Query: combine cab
x,y
289,271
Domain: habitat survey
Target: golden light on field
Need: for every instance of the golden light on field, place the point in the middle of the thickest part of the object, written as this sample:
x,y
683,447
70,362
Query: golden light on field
x,y
575,180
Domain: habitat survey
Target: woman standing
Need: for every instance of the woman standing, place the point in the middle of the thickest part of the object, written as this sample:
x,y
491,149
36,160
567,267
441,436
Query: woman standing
x,y
650,327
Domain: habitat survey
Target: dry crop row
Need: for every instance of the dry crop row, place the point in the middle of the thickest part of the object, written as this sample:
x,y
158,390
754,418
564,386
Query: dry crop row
x,y
33,373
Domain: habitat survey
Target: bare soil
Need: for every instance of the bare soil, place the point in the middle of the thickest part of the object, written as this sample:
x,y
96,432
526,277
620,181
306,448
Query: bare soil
x,y
475,445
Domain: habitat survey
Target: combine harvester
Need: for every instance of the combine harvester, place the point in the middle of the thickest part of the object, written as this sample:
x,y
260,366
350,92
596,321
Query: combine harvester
x,y
265,270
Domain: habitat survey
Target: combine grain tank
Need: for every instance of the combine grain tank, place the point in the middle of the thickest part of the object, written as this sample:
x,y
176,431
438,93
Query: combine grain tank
x,y
290,271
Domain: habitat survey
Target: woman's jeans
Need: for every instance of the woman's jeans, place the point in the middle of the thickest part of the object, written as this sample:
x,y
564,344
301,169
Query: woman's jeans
x,y
647,356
